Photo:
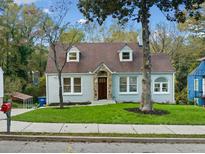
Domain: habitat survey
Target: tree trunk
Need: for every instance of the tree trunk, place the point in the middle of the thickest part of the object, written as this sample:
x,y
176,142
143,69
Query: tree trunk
x,y
146,104
60,90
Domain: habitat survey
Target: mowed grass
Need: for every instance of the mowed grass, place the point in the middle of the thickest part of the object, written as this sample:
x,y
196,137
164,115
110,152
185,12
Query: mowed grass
x,y
116,114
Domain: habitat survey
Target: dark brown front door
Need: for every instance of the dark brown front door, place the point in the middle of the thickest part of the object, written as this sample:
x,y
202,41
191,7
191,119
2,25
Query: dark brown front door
x,y
102,88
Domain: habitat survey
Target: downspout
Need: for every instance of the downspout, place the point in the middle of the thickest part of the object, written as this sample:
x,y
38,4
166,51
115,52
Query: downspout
x,y
47,92
173,78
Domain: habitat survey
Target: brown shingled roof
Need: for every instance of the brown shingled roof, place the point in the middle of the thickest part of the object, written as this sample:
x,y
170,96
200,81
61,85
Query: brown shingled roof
x,y
21,96
94,54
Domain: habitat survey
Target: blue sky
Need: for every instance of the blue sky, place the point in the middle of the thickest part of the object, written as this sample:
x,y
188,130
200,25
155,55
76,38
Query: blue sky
x,y
75,14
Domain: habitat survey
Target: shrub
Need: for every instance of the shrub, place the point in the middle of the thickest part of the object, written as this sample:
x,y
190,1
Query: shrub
x,y
36,91
181,97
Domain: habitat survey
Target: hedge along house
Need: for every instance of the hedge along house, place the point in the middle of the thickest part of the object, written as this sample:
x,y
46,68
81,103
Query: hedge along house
x,y
1,85
196,84
108,71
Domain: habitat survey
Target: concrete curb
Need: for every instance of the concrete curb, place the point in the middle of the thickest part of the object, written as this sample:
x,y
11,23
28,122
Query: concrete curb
x,y
36,138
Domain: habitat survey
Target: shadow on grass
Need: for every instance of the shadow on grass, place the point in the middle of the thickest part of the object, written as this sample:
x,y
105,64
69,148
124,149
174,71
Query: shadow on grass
x,y
154,112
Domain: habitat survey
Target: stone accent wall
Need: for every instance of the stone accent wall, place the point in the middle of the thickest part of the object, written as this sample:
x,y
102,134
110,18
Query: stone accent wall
x,y
99,73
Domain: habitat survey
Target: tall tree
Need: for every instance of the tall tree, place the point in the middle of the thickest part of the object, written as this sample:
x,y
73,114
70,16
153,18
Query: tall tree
x,y
166,39
55,28
196,27
139,10
118,33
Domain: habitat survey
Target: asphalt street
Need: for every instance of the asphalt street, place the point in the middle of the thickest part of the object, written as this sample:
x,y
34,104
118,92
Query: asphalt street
x,y
60,147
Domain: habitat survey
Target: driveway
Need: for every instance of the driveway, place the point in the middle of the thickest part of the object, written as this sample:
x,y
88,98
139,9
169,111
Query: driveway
x,y
14,112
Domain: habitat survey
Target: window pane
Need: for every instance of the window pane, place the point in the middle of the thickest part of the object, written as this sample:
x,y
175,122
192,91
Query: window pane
x,y
66,81
164,87
123,84
67,89
196,85
157,87
123,88
123,81
77,85
66,85
72,56
133,84
133,80
161,79
125,55
133,88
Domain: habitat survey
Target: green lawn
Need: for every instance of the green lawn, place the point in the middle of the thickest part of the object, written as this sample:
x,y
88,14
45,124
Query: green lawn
x,y
116,114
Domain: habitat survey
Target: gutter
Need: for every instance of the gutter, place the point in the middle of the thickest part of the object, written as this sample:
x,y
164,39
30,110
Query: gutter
x,y
100,139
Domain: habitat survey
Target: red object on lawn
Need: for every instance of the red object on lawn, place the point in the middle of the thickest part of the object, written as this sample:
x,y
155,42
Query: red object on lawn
x,y
6,107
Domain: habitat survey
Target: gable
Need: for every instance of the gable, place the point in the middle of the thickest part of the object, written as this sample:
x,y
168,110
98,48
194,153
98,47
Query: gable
x,y
126,54
73,54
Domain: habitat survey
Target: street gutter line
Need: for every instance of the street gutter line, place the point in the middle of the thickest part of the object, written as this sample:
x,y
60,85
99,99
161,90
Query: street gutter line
x,y
101,139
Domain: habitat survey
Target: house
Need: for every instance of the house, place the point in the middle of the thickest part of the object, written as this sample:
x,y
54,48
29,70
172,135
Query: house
x,y
108,71
1,85
196,84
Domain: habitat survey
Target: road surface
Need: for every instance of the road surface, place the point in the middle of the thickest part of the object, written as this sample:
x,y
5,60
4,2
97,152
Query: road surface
x,y
59,147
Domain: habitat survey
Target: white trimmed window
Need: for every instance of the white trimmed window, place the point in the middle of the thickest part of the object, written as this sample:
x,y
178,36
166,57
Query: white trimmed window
x,y
196,84
72,85
128,84
67,85
161,86
126,54
73,55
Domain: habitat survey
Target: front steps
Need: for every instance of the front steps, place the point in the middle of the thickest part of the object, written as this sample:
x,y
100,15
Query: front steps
x,y
102,102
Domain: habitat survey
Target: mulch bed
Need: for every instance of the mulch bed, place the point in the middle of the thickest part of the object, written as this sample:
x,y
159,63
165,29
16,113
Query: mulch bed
x,y
153,112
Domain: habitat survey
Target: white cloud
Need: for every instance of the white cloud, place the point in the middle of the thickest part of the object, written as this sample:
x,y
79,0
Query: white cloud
x,y
46,10
82,21
20,2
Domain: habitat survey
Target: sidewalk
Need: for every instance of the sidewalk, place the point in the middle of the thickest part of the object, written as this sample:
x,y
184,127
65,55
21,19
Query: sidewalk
x,y
17,126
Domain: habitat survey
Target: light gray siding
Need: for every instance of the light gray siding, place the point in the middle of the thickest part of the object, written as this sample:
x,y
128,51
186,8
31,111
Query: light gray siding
x,y
163,98
86,85
88,92
126,97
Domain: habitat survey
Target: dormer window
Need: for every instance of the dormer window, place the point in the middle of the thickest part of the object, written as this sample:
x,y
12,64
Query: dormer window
x,y
73,55
126,54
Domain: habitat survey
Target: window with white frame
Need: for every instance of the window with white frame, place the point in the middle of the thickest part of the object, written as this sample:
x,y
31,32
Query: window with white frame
x,y
128,84
72,85
67,85
161,85
196,84
77,85
73,56
126,55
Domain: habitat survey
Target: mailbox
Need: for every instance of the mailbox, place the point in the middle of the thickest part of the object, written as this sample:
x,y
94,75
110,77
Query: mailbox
x,y
6,107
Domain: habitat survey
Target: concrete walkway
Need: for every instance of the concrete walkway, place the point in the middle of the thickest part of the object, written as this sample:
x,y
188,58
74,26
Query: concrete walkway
x,y
14,112
17,126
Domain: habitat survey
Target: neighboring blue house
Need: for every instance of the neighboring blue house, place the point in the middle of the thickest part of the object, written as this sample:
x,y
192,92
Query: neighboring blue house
x,y
196,84
108,71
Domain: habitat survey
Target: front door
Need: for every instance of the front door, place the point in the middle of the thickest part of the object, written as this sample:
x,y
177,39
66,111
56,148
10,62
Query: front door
x,y
102,88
